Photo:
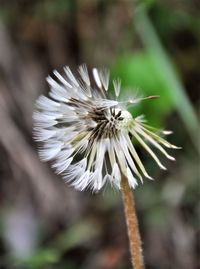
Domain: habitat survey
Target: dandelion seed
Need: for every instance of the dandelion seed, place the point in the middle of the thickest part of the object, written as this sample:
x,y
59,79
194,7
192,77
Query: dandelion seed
x,y
87,136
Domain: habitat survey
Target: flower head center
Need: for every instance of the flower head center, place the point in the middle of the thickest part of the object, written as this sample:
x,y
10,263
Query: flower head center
x,y
125,120
109,122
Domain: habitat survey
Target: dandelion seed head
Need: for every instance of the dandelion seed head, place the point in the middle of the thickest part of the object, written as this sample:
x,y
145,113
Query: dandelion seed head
x,y
87,136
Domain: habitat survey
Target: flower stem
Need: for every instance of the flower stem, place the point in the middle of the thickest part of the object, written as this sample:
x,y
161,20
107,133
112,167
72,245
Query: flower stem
x,y
132,225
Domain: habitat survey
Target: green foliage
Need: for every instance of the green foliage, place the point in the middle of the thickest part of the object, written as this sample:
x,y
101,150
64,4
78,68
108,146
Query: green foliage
x,y
138,71
79,234
163,62
39,260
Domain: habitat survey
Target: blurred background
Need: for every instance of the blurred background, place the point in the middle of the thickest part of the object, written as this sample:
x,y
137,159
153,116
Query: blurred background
x,y
154,47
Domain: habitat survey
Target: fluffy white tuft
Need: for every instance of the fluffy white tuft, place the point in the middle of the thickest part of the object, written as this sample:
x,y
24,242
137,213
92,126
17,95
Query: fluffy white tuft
x,y
87,136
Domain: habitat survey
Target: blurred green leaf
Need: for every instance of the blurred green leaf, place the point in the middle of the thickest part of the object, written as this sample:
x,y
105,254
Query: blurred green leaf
x,y
139,73
163,62
78,234
39,260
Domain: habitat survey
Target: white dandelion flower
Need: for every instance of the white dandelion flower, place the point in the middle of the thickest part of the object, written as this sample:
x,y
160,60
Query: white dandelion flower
x,y
87,136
